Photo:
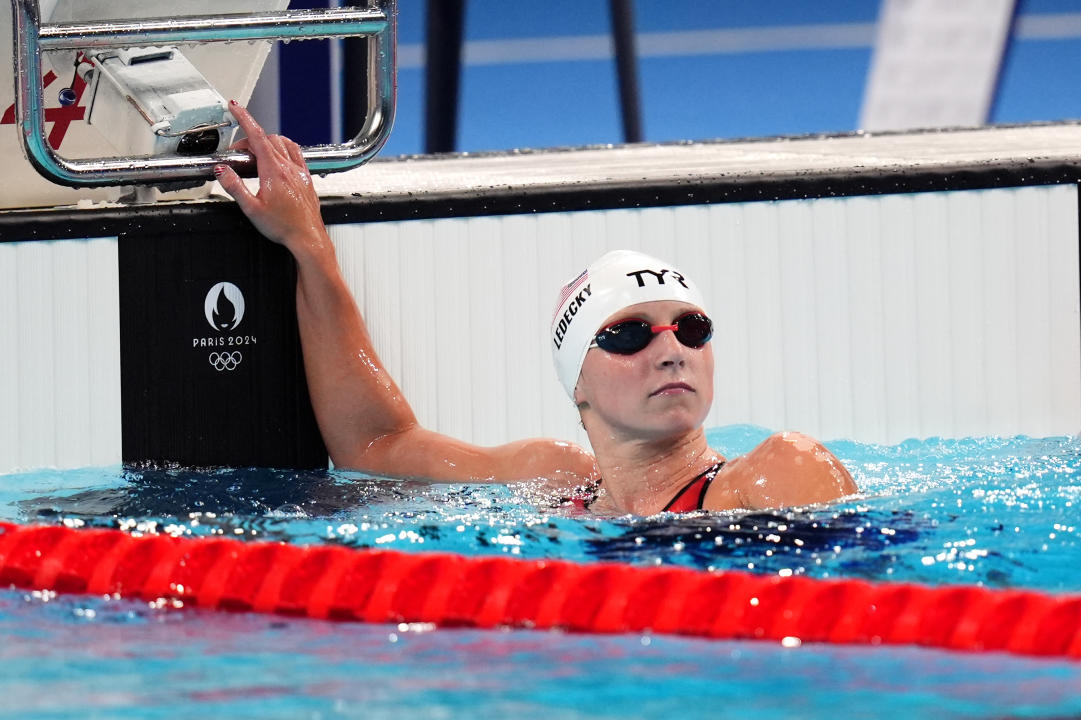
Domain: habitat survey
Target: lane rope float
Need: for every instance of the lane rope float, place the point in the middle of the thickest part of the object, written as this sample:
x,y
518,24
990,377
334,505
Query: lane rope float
x,y
386,586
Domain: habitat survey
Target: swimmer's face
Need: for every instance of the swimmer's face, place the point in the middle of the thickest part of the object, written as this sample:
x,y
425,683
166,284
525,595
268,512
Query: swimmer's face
x,y
661,391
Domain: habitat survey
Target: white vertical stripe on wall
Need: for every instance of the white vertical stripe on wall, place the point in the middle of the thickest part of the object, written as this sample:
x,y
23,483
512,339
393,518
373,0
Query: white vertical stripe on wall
x,y
524,311
9,359
487,310
966,311
761,282
728,299
1063,336
835,386
874,318
60,358
1033,315
799,316
867,360
900,366
1000,325
933,339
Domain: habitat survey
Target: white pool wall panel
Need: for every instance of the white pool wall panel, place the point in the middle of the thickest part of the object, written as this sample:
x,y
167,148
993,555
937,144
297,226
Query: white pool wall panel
x,y
60,359
875,318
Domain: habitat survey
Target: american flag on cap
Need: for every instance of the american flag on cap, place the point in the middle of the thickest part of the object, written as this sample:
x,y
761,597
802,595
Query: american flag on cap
x,y
570,289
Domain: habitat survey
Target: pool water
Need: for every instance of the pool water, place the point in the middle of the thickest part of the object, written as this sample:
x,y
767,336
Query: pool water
x,y
998,512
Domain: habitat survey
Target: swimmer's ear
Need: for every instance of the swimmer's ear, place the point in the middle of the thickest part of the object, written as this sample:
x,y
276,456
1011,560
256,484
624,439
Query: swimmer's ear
x,y
579,401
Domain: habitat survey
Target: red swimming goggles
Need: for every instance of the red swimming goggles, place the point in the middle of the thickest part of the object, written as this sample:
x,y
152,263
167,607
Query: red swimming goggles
x,y
627,337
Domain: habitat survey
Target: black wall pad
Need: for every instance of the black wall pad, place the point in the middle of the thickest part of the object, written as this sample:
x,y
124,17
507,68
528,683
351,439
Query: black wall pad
x,y
211,370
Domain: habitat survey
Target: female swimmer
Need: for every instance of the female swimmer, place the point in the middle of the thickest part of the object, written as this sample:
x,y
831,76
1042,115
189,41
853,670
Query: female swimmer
x,y
632,347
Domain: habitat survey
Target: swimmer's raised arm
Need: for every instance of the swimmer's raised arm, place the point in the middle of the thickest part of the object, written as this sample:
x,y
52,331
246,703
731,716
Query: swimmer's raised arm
x,y
365,420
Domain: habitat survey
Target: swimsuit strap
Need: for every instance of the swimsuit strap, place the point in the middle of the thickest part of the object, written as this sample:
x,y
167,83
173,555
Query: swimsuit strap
x,y
701,482
585,496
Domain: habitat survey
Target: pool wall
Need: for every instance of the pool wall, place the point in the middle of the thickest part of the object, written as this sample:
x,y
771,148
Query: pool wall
x,y
872,318
860,291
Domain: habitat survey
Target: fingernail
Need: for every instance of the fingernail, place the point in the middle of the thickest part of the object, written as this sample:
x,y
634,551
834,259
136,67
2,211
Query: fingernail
x,y
219,169
233,102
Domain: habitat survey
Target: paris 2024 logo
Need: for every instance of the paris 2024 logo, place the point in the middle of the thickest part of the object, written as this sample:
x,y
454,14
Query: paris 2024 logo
x,y
224,310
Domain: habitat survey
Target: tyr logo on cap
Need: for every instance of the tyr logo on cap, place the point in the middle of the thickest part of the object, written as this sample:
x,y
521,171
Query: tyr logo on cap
x,y
659,276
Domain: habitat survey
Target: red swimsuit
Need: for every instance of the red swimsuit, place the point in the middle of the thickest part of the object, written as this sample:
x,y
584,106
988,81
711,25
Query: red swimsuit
x,y
693,494
691,497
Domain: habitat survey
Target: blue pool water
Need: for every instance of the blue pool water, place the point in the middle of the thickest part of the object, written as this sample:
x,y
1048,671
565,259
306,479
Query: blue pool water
x,y
996,512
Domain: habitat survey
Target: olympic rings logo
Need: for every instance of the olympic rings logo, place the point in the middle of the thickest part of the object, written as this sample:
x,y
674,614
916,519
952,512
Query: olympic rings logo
x,y
225,360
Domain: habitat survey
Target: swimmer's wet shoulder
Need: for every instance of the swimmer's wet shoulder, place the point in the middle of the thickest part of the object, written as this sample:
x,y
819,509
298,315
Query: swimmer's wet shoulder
x,y
787,469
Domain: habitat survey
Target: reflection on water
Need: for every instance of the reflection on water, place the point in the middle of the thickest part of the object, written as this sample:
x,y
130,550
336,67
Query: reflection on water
x,y
85,657
226,492
766,541
994,511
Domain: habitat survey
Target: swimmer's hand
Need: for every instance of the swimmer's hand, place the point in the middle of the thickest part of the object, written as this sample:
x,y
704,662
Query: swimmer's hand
x,y
286,207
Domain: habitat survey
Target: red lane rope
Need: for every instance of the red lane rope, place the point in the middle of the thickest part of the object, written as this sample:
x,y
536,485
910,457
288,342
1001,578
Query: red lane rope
x,y
453,590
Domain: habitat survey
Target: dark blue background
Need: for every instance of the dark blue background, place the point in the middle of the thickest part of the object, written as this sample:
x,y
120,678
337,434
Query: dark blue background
x,y
574,102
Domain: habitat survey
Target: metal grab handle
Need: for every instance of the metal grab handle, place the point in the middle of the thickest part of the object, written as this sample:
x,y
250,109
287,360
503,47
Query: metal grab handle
x,y
31,38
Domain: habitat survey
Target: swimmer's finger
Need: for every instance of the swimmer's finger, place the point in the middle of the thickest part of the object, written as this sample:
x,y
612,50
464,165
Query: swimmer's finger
x,y
232,184
258,144
295,153
244,146
280,144
240,145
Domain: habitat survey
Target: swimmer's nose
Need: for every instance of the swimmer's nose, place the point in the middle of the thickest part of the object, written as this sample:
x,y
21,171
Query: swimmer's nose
x,y
670,351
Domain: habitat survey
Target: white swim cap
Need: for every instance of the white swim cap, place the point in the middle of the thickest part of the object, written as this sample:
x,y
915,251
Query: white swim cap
x,y
616,280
